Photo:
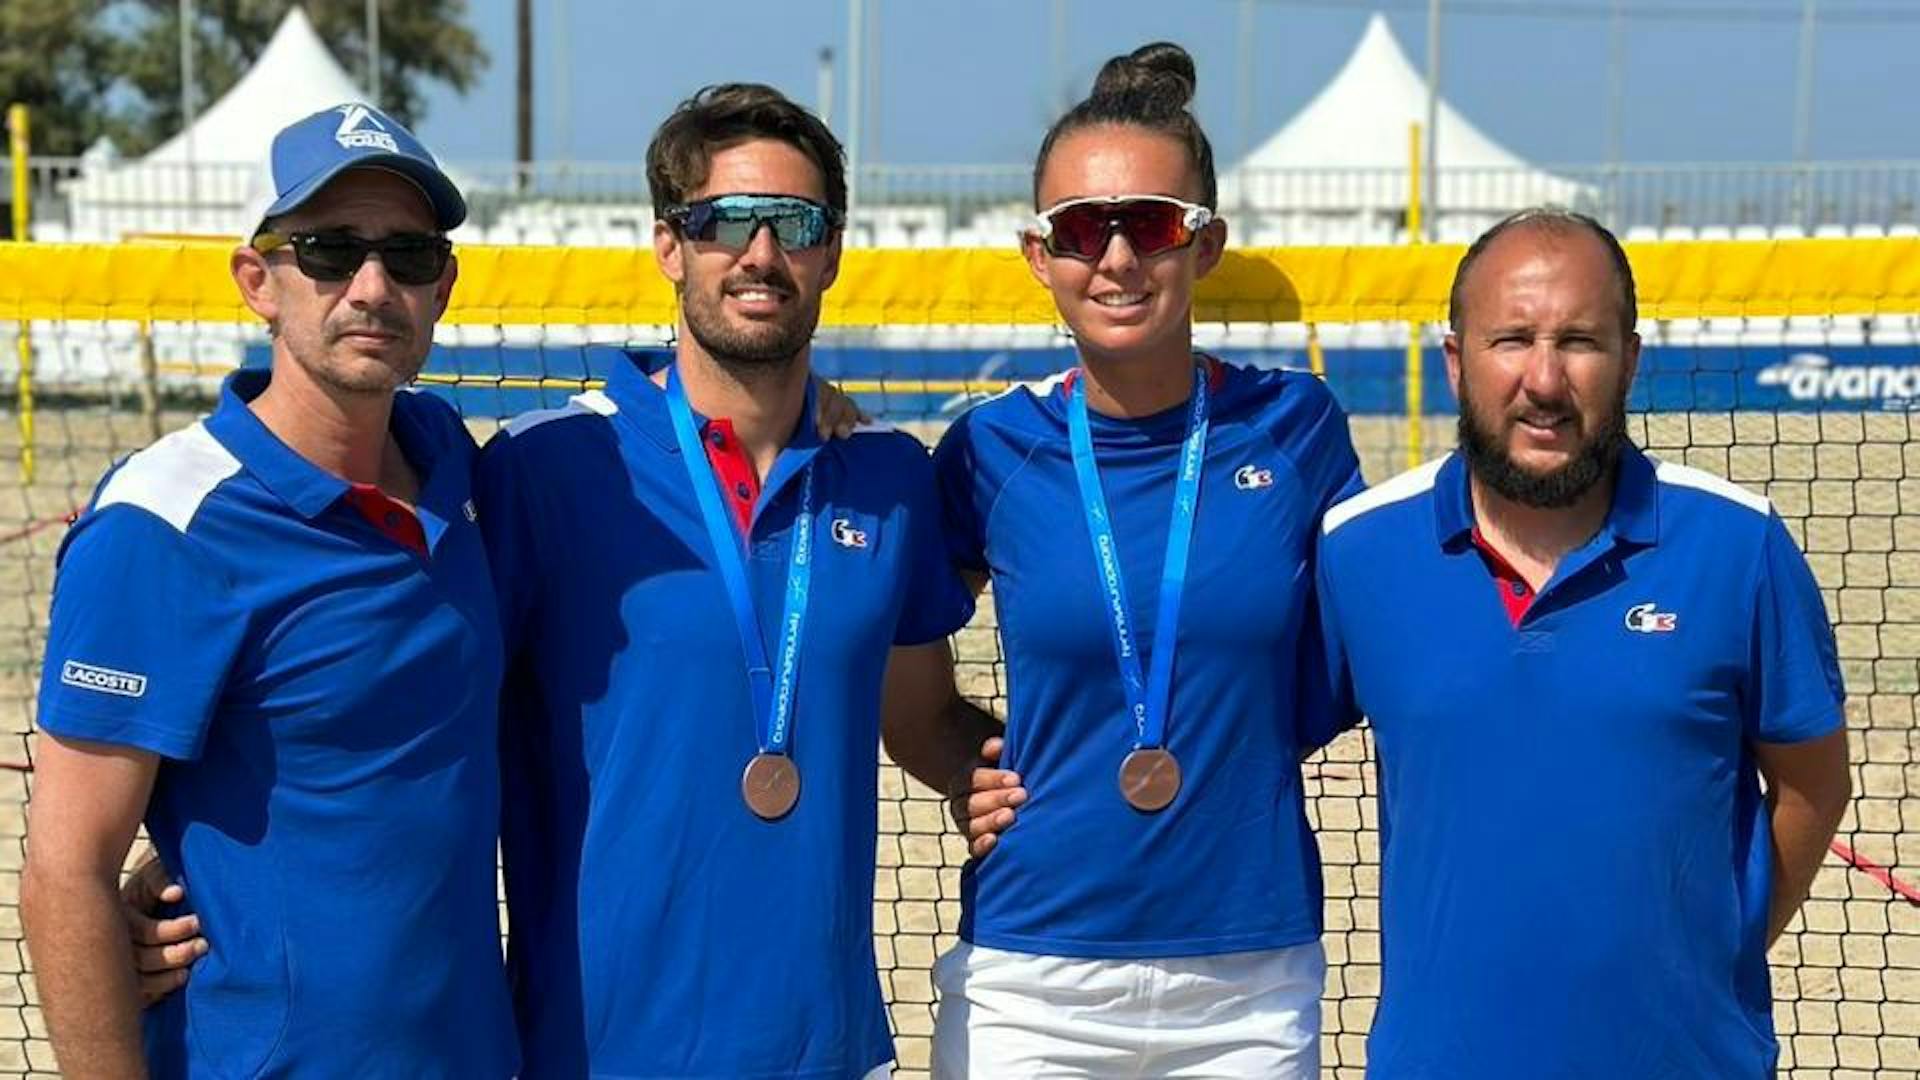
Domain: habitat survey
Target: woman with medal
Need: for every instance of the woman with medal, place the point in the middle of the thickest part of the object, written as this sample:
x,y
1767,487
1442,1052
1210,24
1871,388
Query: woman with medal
x,y
1147,521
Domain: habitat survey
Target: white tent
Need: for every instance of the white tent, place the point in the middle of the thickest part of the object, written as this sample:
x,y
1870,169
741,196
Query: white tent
x,y
1348,149
201,179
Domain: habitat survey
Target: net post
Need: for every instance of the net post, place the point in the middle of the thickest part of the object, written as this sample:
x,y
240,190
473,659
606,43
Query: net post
x,y
1413,183
149,381
1414,404
1316,356
17,143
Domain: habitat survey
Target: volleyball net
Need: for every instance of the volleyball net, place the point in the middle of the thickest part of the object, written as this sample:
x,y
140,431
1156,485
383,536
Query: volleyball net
x,y
1791,367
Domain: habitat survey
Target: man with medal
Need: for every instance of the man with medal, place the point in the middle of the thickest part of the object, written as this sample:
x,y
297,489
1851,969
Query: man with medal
x,y
701,601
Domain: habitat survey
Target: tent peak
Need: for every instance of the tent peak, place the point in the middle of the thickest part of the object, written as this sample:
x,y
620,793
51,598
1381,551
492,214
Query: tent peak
x,y
295,76
1361,119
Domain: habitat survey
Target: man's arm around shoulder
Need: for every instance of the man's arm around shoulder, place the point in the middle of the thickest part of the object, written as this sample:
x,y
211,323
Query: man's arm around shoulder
x,y
947,742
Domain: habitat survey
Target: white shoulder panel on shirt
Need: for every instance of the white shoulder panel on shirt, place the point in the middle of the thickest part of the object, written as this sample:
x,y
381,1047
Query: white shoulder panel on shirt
x,y
1689,477
173,477
1039,388
1405,486
590,403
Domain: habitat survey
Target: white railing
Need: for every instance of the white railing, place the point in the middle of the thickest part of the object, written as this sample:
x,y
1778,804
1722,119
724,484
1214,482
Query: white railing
x,y
985,205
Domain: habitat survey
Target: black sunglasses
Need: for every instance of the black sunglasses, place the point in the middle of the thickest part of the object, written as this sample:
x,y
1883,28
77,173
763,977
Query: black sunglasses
x,y
732,220
409,258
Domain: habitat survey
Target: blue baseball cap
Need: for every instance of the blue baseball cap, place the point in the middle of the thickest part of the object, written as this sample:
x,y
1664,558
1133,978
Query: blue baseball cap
x,y
309,153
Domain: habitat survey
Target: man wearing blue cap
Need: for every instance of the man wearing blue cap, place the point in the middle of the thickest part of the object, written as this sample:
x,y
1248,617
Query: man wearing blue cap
x,y
275,641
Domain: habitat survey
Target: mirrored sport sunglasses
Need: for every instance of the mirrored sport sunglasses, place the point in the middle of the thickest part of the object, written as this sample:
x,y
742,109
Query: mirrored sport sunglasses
x,y
732,220
1152,224
409,258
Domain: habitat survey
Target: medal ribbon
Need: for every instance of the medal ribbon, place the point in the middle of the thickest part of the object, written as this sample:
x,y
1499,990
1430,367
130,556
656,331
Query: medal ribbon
x,y
772,687
1148,699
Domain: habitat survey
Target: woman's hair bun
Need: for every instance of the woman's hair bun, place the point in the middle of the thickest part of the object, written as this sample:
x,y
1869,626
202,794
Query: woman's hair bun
x,y
1161,73
1151,88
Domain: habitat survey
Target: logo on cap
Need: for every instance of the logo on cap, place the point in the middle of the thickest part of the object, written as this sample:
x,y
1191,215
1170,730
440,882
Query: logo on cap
x,y
1643,619
359,128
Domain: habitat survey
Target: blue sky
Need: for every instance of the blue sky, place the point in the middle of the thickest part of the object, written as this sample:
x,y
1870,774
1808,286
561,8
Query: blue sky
x,y
976,81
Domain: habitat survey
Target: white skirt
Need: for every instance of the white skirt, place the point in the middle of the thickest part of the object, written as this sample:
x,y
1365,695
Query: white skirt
x,y
1010,1015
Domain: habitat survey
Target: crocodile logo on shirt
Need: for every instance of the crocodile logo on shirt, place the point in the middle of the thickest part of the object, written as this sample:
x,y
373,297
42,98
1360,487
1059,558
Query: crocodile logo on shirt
x,y
846,535
1644,619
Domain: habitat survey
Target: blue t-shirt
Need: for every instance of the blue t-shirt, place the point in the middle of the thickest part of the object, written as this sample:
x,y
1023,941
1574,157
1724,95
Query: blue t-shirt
x,y
659,928
1230,865
1576,867
323,699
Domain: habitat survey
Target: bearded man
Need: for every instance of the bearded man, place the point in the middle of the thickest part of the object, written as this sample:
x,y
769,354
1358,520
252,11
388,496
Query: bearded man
x,y
700,600
1579,664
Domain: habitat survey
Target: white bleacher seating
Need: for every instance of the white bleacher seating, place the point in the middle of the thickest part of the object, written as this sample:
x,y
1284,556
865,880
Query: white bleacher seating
x,y
1459,229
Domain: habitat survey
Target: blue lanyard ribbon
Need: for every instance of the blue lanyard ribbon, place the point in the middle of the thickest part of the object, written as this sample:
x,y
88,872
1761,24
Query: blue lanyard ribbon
x,y
1147,699
772,686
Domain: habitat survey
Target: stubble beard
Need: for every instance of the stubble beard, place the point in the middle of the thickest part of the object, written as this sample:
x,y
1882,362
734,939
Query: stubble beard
x,y
334,366
759,351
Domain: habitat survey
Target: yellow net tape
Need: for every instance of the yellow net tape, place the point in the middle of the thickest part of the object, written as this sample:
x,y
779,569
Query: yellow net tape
x,y
532,285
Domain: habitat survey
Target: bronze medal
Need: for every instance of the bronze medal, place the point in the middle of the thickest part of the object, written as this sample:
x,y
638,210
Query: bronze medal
x,y
1149,779
770,785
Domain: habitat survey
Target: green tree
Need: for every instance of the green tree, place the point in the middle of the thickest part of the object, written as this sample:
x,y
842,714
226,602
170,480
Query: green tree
x,y
420,40
55,58
88,68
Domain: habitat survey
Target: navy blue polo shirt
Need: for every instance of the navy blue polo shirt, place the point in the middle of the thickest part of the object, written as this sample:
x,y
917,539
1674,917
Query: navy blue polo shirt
x,y
1230,865
659,928
323,699
1575,866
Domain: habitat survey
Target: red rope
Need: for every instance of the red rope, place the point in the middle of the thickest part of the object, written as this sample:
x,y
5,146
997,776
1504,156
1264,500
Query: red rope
x,y
1877,872
39,526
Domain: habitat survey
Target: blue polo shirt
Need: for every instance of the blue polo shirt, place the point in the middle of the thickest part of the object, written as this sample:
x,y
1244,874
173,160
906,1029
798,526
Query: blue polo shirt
x,y
323,700
1575,863
1230,865
659,928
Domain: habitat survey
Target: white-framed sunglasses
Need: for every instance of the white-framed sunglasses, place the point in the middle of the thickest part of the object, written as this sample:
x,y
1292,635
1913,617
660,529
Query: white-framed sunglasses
x,y
1082,228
